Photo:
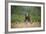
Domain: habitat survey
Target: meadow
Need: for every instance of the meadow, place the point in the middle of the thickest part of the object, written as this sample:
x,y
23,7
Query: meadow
x,y
18,16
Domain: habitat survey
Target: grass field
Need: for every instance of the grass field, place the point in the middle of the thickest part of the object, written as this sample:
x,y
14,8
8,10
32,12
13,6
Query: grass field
x,y
21,13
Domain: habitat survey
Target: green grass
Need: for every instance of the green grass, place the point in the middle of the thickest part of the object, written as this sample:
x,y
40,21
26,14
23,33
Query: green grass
x,y
21,18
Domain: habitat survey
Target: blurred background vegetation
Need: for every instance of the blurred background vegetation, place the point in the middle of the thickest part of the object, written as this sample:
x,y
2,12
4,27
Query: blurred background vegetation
x,y
18,13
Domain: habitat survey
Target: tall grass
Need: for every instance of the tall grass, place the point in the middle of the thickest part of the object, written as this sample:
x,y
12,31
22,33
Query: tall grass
x,y
21,18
